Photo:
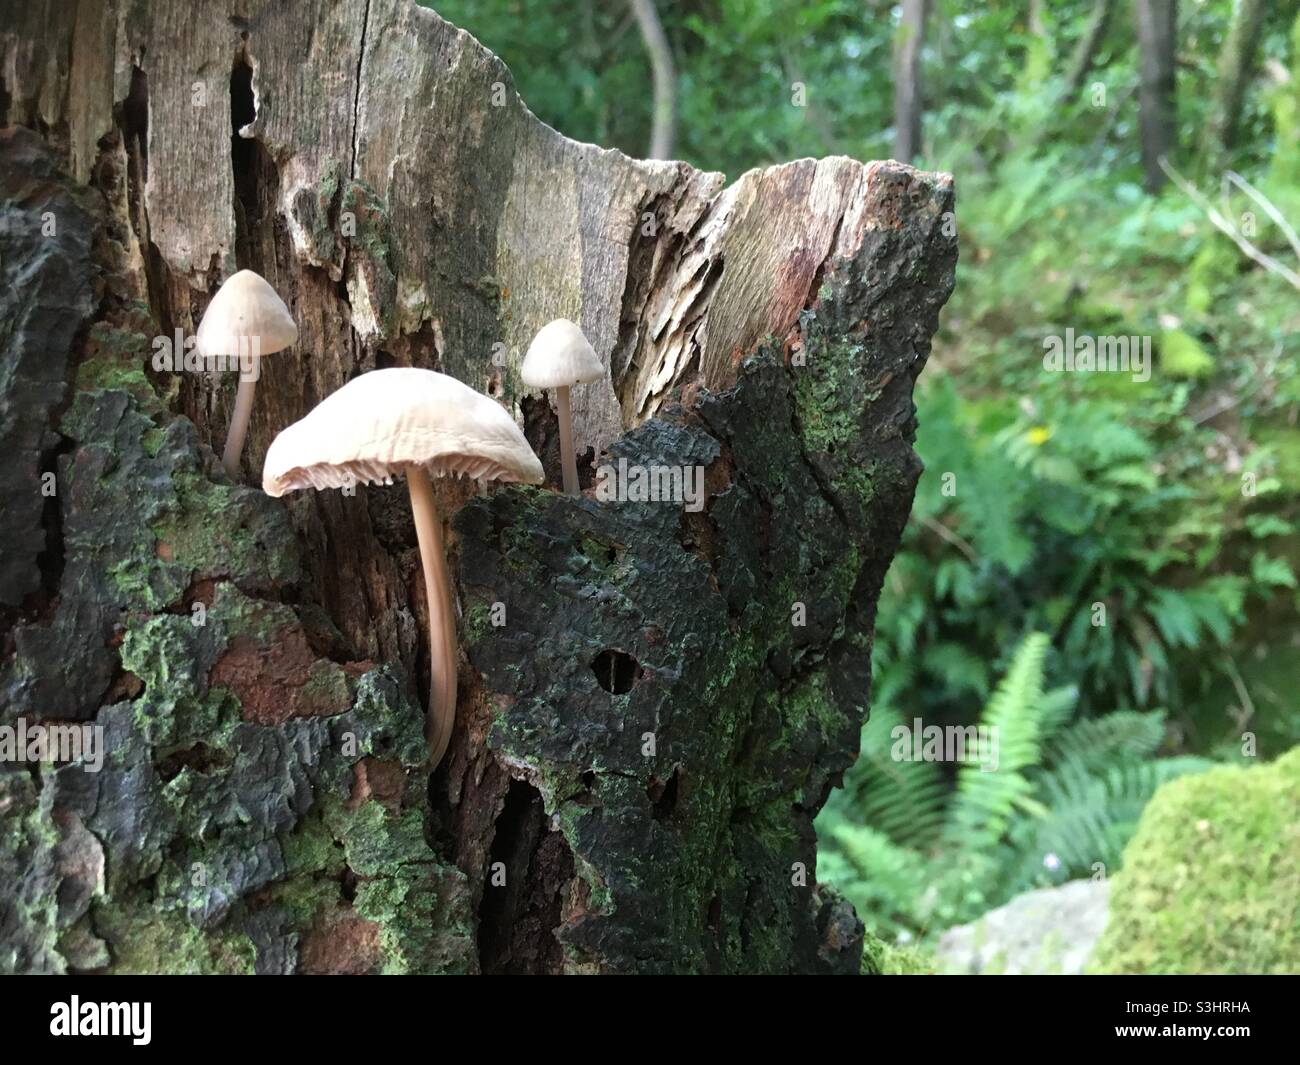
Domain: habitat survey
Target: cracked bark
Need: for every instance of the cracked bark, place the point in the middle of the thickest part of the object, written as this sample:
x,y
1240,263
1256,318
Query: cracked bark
x,y
643,744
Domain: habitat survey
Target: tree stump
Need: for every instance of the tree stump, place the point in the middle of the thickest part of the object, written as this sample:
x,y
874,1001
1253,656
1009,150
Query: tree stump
x,y
655,698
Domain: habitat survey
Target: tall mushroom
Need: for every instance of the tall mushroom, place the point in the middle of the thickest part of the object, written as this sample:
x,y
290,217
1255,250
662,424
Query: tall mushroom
x,y
418,422
559,358
245,317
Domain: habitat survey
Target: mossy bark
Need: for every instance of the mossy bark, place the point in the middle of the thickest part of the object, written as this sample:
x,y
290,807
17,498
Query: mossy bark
x,y
654,699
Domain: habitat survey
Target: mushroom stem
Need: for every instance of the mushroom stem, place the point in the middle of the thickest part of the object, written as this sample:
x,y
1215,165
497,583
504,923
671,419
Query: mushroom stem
x,y
239,421
442,618
568,460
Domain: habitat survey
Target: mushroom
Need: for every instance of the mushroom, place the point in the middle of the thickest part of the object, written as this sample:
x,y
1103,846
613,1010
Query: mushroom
x,y
559,358
245,317
416,422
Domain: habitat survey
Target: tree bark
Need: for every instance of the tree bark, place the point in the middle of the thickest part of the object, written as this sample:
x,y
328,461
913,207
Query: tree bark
x,y
1157,104
654,699
1236,62
909,102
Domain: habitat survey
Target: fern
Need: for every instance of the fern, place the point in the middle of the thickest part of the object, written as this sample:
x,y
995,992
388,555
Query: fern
x,y
985,802
1092,813
883,880
1100,741
913,854
902,800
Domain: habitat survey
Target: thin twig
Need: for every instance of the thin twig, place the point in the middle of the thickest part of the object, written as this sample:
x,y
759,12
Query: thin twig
x,y
1267,205
1216,218
1247,706
945,533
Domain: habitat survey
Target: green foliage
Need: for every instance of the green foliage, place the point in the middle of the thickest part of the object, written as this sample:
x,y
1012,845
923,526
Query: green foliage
x,y
1182,355
1060,803
1211,878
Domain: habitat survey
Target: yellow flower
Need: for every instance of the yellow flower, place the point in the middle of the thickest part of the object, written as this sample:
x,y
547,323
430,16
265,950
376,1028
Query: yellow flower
x,y
1039,435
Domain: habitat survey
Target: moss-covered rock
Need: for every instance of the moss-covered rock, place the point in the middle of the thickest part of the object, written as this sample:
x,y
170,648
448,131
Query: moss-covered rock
x,y
885,959
1211,879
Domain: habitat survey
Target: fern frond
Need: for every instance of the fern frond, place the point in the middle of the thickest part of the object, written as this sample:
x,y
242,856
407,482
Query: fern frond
x,y
883,880
903,800
1101,741
1092,815
985,802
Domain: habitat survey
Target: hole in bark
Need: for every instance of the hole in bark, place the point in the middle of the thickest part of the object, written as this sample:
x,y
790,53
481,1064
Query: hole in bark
x,y
201,758
713,915
348,886
50,560
542,431
517,917
135,121
616,671
243,156
602,553
4,103
664,794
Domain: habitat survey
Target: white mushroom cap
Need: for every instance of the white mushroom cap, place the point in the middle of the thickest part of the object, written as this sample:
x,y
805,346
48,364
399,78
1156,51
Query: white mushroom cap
x,y
386,420
560,357
244,308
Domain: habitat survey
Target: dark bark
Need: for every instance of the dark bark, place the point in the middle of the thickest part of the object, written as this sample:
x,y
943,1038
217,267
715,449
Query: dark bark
x,y
1157,102
642,745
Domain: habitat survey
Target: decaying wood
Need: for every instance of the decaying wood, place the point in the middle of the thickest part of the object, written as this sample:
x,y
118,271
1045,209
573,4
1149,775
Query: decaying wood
x,y
644,740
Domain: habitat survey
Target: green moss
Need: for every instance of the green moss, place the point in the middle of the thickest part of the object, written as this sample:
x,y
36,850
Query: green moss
x,y
311,848
831,373
29,909
809,705
424,926
302,898
1211,878
376,842
142,940
116,359
214,531
883,959
177,707
1182,355
477,623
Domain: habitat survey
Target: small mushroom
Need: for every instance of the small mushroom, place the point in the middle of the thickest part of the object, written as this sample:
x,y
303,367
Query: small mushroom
x,y
245,317
559,358
418,422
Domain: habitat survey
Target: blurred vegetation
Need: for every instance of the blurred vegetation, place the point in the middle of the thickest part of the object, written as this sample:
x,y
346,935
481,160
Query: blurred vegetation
x,y
1073,492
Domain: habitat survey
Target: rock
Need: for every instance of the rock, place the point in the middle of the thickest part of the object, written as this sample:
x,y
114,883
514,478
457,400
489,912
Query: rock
x,y
1049,931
